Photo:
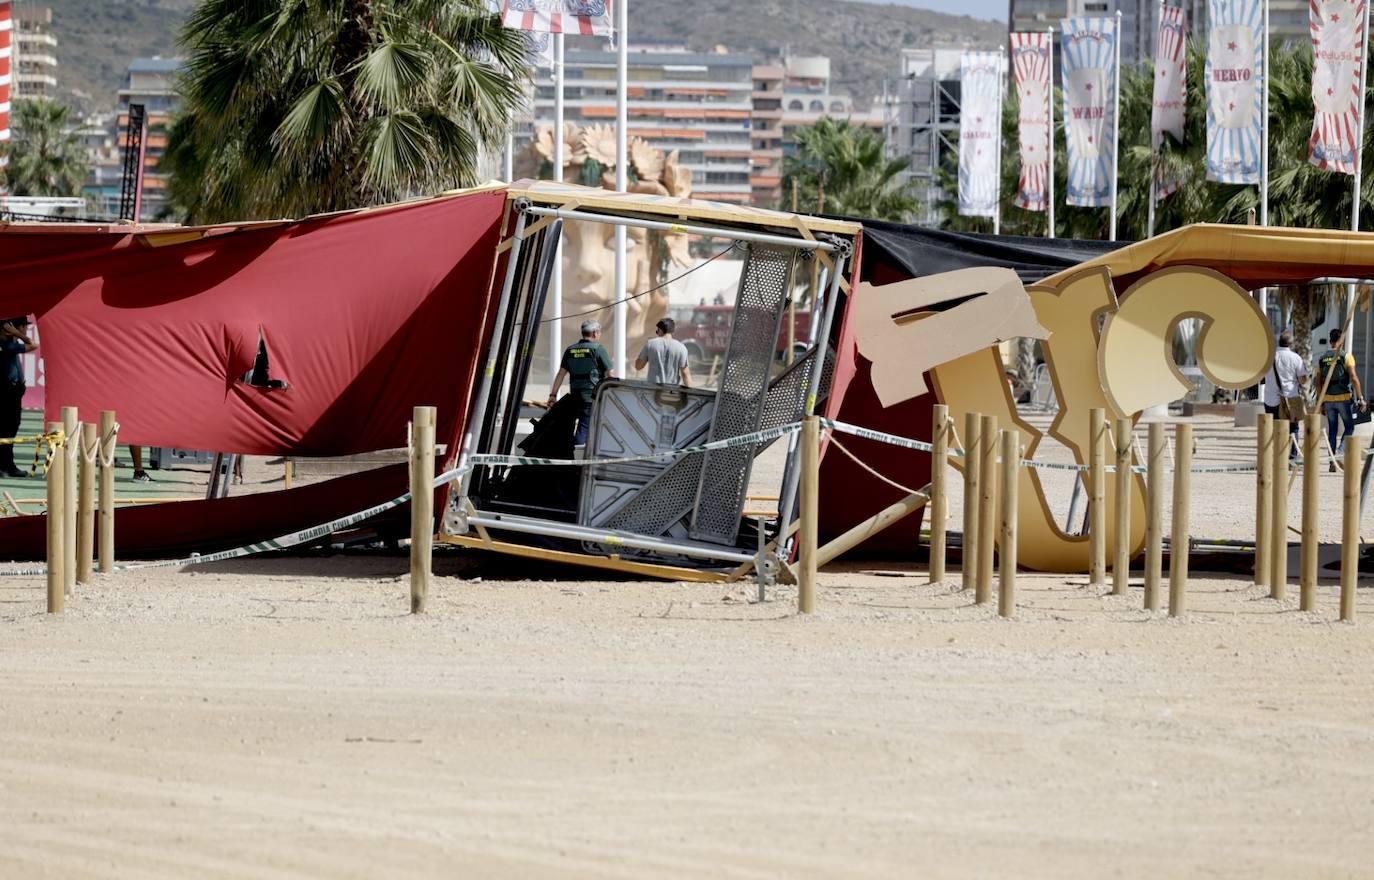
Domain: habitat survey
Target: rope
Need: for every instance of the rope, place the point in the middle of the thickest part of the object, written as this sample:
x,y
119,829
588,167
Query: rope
x,y
834,441
609,305
90,453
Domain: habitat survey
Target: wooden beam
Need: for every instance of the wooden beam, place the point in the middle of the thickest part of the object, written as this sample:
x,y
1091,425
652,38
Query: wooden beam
x,y
666,572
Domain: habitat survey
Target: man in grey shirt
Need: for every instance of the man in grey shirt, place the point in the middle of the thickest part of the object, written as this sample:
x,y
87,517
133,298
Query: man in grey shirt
x,y
665,357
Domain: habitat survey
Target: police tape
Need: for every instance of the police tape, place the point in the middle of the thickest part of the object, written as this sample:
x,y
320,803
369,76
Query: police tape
x,y
753,439
281,542
922,446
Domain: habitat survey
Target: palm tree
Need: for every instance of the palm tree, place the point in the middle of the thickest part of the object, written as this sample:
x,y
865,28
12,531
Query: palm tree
x,y
46,159
847,165
301,106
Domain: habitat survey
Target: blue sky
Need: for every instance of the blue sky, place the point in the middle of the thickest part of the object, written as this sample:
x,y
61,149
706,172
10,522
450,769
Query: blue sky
x,y
993,9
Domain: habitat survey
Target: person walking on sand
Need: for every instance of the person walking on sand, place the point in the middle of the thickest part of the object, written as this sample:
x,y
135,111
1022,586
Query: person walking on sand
x,y
665,357
1283,397
1343,394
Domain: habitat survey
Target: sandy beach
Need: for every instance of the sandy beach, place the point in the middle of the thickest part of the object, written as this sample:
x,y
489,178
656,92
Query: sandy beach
x,y
286,718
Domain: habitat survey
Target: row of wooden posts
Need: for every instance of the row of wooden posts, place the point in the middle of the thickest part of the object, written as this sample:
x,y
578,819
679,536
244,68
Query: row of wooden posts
x,y
72,507
991,469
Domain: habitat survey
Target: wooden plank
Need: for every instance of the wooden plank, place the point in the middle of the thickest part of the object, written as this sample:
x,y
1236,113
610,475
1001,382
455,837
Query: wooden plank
x,y
666,572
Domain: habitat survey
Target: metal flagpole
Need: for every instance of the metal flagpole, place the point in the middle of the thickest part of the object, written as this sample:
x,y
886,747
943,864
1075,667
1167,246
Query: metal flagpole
x,y
621,173
1154,147
1264,128
555,323
1049,99
1116,125
1359,138
1001,88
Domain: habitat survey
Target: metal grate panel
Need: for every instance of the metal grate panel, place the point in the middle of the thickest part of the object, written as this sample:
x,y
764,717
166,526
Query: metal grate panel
x,y
743,389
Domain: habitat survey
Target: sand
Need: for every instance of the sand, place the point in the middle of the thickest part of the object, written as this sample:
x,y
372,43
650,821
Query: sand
x,y
287,719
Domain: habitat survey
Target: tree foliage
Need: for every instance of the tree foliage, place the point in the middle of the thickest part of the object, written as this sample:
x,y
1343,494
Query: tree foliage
x,y
46,158
849,163
300,106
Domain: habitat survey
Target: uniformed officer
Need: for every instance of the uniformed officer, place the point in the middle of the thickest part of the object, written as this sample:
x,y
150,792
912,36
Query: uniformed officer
x,y
587,364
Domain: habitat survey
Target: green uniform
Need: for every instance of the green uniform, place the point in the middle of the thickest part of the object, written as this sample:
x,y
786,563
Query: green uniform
x,y
587,363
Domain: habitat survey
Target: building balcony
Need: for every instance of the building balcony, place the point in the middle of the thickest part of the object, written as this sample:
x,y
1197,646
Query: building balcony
x,y
769,113
37,59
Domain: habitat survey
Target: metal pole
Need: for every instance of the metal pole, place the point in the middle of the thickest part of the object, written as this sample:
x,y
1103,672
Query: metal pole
x,y
686,228
1264,129
621,173
1001,87
555,323
810,513
1049,99
477,416
1154,145
1359,145
1116,124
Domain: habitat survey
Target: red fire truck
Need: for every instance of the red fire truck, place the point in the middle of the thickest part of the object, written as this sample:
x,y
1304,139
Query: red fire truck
x,y
705,330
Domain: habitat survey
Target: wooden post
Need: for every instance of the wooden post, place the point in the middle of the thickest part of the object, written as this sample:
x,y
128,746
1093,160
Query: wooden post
x,y
1097,497
987,508
1154,516
57,518
85,527
1311,468
973,496
939,498
1278,513
810,514
70,474
1179,539
421,505
1006,584
1350,526
1264,492
286,473
107,490
1121,565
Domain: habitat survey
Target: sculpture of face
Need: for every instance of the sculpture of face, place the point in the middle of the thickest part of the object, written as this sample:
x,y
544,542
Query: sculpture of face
x,y
589,283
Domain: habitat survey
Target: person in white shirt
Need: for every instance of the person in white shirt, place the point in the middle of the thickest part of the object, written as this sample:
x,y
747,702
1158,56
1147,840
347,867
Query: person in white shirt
x,y
1284,393
665,357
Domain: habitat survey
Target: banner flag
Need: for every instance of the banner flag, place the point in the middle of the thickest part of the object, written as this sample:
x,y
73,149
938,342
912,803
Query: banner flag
x,y
1337,77
980,79
1030,58
1171,69
1088,65
584,17
1235,90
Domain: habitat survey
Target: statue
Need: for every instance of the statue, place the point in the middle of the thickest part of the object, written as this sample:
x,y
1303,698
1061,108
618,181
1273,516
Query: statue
x,y
589,248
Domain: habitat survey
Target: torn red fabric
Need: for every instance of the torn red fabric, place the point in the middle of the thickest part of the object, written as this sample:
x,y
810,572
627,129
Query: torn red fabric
x,y
363,315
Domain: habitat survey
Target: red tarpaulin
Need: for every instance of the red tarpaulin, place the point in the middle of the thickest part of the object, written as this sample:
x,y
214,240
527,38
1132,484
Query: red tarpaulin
x,y
364,315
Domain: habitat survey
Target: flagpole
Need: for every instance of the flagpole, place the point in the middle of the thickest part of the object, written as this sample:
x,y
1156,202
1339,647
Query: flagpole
x,y
621,172
1359,141
555,323
1116,124
1049,100
1154,147
1001,87
1264,128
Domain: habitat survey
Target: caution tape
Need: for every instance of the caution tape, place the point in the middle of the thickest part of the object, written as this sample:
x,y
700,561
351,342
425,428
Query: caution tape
x,y
923,446
753,439
281,542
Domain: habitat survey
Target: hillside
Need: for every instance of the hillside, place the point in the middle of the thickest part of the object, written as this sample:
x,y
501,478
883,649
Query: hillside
x,y
96,38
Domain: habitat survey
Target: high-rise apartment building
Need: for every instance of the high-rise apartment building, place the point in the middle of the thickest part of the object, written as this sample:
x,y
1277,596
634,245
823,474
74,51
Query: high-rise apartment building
x,y
698,103
35,52
152,83
765,178
808,95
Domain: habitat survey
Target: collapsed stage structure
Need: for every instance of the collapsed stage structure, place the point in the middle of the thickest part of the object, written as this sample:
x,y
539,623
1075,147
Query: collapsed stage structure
x,y
360,316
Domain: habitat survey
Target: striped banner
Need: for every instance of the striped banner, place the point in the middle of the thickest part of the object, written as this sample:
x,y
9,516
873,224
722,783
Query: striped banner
x,y
1171,73
1234,77
1088,65
584,17
1338,40
980,88
1030,58
6,70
